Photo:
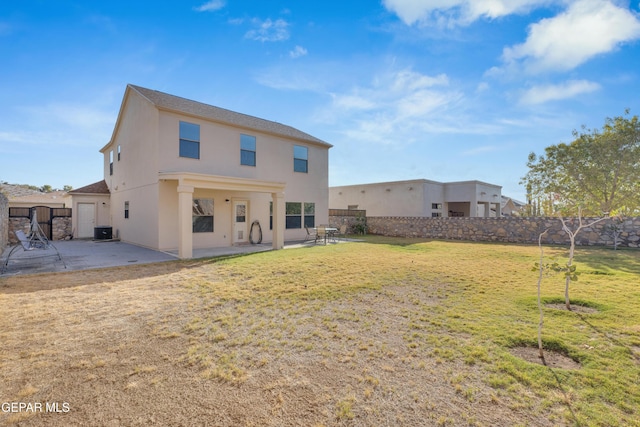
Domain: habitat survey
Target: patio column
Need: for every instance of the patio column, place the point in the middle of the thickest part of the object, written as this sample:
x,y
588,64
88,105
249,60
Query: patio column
x,y
487,209
278,220
185,227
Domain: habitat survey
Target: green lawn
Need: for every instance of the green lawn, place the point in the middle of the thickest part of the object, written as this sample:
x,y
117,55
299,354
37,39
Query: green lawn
x,y
380,332
485,304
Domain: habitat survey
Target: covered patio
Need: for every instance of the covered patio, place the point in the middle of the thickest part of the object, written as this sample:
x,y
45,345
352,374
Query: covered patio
x,y
188,182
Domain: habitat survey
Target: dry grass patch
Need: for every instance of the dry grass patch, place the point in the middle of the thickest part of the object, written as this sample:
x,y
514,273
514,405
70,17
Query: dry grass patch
x,y
388,332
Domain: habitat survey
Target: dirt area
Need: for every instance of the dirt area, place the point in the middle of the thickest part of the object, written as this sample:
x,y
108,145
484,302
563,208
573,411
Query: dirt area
x,y
552,359
140,346
576,308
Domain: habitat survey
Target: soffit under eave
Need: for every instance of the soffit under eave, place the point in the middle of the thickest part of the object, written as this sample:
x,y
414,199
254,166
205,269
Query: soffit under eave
x,y
215,182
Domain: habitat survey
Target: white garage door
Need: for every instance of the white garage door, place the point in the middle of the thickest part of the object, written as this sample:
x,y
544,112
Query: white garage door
x,y
86,219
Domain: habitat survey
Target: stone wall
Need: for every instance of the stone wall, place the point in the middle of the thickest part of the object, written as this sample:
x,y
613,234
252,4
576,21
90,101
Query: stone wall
x,y
16,224
4,222
508,230
338,221
61,228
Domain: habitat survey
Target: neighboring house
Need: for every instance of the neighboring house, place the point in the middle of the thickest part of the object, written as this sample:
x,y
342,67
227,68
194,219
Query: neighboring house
x,y
419,198
91,207
185,175
21,196
511,207
53,218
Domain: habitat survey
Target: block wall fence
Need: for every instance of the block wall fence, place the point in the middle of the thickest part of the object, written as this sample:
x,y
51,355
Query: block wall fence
x,y
4,222
506,230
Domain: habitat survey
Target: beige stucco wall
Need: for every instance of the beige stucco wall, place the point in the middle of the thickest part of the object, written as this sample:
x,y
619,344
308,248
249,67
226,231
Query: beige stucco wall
x,y
149,144
415,197
102,210
135,174
55,199
402,198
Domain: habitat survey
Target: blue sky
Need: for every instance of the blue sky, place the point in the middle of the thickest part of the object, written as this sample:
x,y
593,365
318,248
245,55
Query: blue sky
x,y
444,90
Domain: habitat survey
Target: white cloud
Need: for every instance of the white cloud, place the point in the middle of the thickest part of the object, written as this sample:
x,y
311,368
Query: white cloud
x,y
457,12
67,123
480,150
352,102
210,6
482,87
398,107
555,92
586,29
297,52
268,31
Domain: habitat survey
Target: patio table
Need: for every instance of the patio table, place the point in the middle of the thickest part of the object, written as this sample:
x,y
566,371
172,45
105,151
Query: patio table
x,y
329,232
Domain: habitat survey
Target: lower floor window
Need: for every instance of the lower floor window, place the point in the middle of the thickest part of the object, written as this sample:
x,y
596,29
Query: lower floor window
x,y
202,215
293,211
310,215
297,214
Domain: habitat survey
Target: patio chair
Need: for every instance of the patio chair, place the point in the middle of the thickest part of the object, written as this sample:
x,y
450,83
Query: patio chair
x,y
35,240
311,234
321,234
342,232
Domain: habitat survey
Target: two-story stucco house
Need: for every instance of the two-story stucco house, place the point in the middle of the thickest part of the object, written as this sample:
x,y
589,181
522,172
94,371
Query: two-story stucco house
x,y
420,198
182,175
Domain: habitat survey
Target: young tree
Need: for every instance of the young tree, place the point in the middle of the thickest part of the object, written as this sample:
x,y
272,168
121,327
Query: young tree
x,y
541,268
599,170
570,272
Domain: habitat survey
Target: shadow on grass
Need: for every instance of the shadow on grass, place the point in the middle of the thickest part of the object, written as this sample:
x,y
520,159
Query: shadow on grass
x,y
607,336
605,260
567,398
392,241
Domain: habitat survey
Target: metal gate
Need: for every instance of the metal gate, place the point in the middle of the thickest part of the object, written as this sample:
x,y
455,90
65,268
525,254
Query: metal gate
x,y
45,216
44,219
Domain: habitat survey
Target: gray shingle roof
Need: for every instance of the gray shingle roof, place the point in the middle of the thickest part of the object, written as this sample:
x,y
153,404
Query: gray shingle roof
x,y
209,112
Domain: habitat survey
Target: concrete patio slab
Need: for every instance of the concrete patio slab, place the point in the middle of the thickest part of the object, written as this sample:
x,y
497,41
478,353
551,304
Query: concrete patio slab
x,y
88,254
80,255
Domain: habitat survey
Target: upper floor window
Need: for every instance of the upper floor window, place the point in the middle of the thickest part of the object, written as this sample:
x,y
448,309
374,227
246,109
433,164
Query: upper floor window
x,y
118,153
436,205
189,140
247,150
300,159
111,162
